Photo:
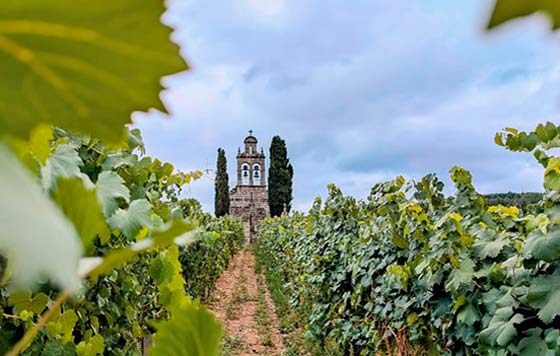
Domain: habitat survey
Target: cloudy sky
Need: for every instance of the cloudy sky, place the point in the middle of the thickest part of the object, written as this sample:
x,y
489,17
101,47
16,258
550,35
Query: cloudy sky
x,y
361,91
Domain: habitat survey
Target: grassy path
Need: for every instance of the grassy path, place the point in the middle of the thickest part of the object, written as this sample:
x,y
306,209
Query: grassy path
x,y
242,301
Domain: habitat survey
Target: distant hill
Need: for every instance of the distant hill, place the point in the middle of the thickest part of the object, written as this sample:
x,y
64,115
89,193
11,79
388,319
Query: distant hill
x,y
521,200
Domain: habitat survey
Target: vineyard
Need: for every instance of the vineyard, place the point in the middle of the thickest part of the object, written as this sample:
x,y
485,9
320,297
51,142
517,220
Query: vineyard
x,y
139,197
413,272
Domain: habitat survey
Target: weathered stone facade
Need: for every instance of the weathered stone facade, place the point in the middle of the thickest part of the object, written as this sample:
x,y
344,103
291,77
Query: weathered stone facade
x,y
249,198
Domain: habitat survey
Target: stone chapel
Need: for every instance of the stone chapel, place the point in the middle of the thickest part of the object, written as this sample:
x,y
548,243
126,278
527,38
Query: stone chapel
x,y
249,199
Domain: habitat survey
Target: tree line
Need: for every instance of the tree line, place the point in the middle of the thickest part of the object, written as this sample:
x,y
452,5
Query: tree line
x,y
520,200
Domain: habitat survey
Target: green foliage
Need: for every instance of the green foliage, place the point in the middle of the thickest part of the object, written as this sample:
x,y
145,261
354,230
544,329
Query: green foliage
x,y
133,219
208,257
63,326
192,330
501,329
80,206
81,71
280,175
110,189
545,246
221,194
25,301
64,162
290,322
153,241
57,348
162,268
94,346
177,232
460,276
412,269
544,295
543,138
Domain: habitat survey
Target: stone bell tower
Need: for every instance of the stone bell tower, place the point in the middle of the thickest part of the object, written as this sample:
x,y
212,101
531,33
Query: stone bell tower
x,y
249,199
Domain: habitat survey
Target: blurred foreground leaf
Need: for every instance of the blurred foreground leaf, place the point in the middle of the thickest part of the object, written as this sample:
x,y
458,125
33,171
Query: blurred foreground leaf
x,y
506,10
191,331
83,66
35,236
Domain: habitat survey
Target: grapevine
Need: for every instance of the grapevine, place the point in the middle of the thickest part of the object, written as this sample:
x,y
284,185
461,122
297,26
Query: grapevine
x,y
121,300
411,269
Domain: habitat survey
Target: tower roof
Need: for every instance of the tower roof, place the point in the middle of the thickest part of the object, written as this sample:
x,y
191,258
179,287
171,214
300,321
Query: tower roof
x,y
250,138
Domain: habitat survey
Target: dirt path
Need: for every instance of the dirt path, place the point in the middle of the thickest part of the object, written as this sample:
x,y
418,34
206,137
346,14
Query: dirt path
x,y
242,301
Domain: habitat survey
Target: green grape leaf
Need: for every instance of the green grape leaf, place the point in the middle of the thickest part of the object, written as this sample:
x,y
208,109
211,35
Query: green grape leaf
x,y
492,248
460,175
162,268
64,163
468,314
25,301
544,294
506,10
169,279
63,326
117,159
461,276
541,157
501,329
35,152
110,188
547,132
54,347
552,174
541,246
132,220
179,232
33,225
400,242
498,140
94,346
191,331
67,63
173,292
534,345
135,140
80,206
540,222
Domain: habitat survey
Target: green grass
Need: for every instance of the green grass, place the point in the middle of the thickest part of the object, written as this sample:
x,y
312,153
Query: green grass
x,y
262,316
232,311
232,346
234,307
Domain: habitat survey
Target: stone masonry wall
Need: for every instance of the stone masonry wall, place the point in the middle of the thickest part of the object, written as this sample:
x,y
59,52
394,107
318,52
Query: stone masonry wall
x,y
250,203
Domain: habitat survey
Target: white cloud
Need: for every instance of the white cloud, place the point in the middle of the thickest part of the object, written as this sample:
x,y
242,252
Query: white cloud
x,y
267,8
271,15
361,91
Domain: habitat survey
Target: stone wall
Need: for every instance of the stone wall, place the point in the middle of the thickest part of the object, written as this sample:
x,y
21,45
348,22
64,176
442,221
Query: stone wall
x,y
250,203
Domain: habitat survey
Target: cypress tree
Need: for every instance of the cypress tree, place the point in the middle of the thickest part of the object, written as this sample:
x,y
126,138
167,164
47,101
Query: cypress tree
x,y
280,175
221,184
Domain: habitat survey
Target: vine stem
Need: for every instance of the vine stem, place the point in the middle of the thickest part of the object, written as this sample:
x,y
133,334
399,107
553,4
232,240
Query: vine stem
x,y
11,316
30,334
